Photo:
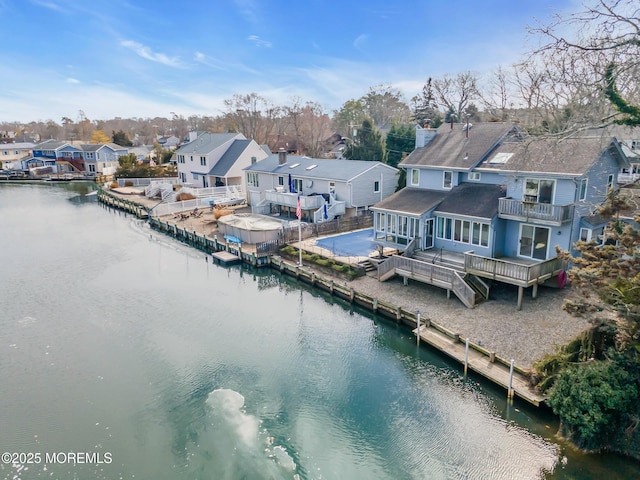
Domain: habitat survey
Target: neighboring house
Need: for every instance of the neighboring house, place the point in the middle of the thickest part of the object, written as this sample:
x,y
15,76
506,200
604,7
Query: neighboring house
x,y
629,138
102,158
217,159
344,186
143,152
63,157
490,192
169,143
14,156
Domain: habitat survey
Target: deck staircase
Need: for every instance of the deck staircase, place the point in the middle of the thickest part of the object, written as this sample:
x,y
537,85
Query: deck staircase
x,y
370,268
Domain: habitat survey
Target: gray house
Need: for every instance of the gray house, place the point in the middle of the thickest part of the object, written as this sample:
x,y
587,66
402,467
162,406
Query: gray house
x,y
500,201
327,188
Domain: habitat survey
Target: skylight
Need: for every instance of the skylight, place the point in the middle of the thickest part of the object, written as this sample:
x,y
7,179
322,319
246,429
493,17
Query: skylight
x,y
311,167
501,158
294,165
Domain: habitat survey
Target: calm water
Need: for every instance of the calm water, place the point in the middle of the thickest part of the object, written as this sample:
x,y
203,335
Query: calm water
x,y
133,353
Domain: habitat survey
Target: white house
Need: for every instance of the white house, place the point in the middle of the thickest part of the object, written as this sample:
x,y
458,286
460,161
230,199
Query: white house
x,y
217,159
327,188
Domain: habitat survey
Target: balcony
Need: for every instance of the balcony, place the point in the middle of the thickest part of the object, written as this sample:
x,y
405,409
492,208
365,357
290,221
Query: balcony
x,y
312,202
537,213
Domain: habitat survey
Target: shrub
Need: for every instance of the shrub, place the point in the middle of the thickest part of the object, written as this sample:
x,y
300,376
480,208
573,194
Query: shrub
x,y
114,185
128,183
184,196
593,400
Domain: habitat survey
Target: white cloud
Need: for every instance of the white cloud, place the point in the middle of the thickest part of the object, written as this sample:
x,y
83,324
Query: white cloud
x,y
72,80
49,5
149,54
258,42
360,41
248,9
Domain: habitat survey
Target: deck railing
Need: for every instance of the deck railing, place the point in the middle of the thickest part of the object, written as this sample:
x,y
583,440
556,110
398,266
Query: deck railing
x,y
307,202
433,274
509,271
527,211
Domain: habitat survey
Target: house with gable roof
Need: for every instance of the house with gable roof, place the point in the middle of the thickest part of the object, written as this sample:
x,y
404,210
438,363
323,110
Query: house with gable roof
x,y
102,158
327,188
488,201
217,159
62,156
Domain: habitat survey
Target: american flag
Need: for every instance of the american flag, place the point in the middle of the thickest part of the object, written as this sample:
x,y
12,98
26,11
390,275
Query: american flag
x,y
299,209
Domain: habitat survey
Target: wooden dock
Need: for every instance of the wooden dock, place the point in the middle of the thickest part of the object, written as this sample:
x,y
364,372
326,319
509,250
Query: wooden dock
x,y
480,363
225,258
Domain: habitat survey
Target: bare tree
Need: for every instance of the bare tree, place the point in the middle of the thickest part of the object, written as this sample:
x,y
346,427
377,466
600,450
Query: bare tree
x,y
455,94
314,128
593,55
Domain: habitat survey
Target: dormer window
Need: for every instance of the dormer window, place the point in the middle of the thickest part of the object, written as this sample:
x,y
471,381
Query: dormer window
x,y
415,176
447,180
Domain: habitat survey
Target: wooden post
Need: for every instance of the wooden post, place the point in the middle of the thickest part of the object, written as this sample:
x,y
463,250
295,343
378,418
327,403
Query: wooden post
x,y
448,294
405,280
466,356
375,305
352,294
418,327
520,293
331,286
534,293
510,391
398,314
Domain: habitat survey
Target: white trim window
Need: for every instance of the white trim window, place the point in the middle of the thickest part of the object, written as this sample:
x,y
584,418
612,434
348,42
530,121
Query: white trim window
x,y
203,161
583,189
252,179
380,226
415,176
447,180
610,180
474,176
376,186
597,235
539,190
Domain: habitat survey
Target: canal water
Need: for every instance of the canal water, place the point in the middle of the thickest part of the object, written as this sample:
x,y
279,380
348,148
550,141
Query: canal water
x,y
124,354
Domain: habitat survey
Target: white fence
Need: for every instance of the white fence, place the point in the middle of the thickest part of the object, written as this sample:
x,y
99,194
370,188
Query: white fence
x,y
143,182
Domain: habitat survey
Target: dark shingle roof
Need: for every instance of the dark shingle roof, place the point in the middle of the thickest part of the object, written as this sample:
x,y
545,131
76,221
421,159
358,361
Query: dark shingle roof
x,y
473,200
413,201
571,156
227,160
452,148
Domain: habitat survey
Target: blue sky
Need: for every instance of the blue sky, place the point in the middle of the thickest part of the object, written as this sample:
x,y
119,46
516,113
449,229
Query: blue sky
x,y
139,58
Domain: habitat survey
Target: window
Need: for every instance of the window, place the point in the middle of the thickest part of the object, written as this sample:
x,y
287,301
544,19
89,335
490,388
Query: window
x,y
610,182
92,168
596,235
297,184
474,176
537,190
376,186
5,153
195,176
203,161
332,187
192,158
464,231
447,179
583,189
281,181
252,179
380,225
415,176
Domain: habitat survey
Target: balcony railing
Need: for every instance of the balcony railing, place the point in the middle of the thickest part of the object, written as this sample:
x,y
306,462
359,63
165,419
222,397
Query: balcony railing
x,y
542,213
312,202
509,271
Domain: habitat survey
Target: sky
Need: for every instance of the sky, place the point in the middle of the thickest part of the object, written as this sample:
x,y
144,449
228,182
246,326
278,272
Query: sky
x,y
145,59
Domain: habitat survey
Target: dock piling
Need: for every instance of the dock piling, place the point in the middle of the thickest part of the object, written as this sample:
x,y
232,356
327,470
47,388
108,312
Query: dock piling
x,y
466,355
510,391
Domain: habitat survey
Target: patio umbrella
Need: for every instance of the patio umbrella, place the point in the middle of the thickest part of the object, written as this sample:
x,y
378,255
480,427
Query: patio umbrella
x,y
291,189
325,211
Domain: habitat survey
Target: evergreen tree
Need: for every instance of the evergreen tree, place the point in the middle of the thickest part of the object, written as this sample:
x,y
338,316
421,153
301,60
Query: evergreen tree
x,y
120,138
368,144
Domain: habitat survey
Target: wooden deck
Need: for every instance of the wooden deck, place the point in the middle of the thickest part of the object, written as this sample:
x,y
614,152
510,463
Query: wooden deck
x,y
497,372
225,258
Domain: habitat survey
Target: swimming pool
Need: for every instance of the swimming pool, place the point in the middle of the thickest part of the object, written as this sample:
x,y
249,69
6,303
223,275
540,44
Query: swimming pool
x,y
352,244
